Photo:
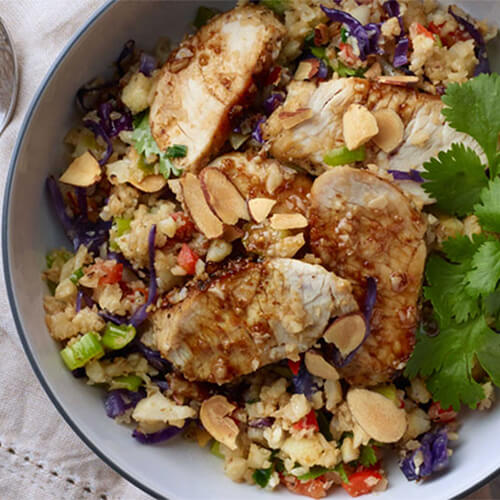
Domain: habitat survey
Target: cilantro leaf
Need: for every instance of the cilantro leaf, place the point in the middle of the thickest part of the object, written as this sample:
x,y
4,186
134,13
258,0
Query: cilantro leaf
x,y
262,476
461,249
448,358
455,179
488,211
367,456
146,146
339,469
314,472
482,279
446,290
474,108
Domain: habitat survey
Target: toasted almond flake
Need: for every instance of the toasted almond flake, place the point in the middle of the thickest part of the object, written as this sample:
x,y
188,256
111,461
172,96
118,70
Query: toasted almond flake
x,y
232,233
290,119
260,208
374,71
288,221
399,80
82,171
317,365
390,130
346,333
214,417
222,196
307,69
206,221
150,184
359,126
377,415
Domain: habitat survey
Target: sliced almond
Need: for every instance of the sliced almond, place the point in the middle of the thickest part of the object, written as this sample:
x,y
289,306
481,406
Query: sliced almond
x,y
346,333
307,69
374,71
214,417
398,80
288,221
232,233
359,126
222,196
82,171
317,365
377,415
260,208
206,221
391,130
290,119
150,184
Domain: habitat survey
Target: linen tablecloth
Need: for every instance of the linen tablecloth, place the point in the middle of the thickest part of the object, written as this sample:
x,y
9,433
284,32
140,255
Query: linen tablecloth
x,y
40,456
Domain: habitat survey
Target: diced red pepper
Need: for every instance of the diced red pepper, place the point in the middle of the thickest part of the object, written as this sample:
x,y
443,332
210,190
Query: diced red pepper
x,y
459,35
348,51
314,488
422,30
111,272
185,226
308,422
294,366
187,259
437,414
362,482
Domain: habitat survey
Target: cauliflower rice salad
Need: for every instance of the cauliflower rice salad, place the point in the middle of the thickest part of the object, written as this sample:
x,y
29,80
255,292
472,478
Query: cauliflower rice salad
x,y
285,239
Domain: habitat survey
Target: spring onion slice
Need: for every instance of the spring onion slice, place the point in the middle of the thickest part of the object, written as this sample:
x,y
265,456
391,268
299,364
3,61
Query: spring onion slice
x,y
76,275
117,336
128,382
343,156
215,450
82,351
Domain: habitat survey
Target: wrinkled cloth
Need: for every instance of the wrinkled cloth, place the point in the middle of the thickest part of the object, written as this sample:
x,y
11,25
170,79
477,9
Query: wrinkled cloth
x,y
40,456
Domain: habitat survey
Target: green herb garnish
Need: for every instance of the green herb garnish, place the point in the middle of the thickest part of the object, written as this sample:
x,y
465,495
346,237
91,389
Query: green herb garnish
x,y
367,457
76,275
82,351
343,156
314,472
262,476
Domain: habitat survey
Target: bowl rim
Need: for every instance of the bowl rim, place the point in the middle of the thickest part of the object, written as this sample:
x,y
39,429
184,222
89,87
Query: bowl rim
x,y
10,288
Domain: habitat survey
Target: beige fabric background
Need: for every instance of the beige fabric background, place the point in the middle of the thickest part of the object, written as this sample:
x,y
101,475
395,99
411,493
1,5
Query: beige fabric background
x,y
40,457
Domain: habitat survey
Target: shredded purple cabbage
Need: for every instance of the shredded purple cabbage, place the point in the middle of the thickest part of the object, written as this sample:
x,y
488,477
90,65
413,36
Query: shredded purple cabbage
x,y
99,131
330,351
112,127
147,64
118,401
366,36
80,230
141,314
153,357
401,52
160,382
430,457
257,131
273,101
303,382
393,10
113,318
78,305
160,436
79,372
322,70
125,56
261,423
483,65
411,175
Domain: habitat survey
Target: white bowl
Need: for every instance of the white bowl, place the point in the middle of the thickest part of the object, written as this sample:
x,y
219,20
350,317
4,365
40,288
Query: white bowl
x,y
178,469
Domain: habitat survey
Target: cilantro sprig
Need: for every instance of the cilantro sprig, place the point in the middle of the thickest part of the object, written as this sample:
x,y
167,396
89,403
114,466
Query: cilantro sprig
x,y
146,146
463,284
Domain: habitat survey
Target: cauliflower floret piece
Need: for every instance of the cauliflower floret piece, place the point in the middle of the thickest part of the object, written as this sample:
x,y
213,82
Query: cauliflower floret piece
x,y
312,450
135,95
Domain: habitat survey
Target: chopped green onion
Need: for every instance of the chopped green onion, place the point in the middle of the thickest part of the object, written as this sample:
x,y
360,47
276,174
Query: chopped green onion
x,y
51,257
203,15
278,6
319,52
237,140
117,336
262,476
82,351
342,156
345,71
339,469
324,426
129,382
279,466
177,151
387,390
344,35
76,275
121,225
367,456
215,449
438,41
314,472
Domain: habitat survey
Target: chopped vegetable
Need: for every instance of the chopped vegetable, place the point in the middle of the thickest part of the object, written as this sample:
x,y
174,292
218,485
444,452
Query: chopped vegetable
x,y
367,457
177,151
324,425
215,449
82,351
314,472
121,225
117,337
362,482
411,175
118,401
342,156
437,414
303,382
294,366
308,422
158,437
187,259
147,64
128,382
339,469
203,15
261,423
61,256
76,275
262,476
314,488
